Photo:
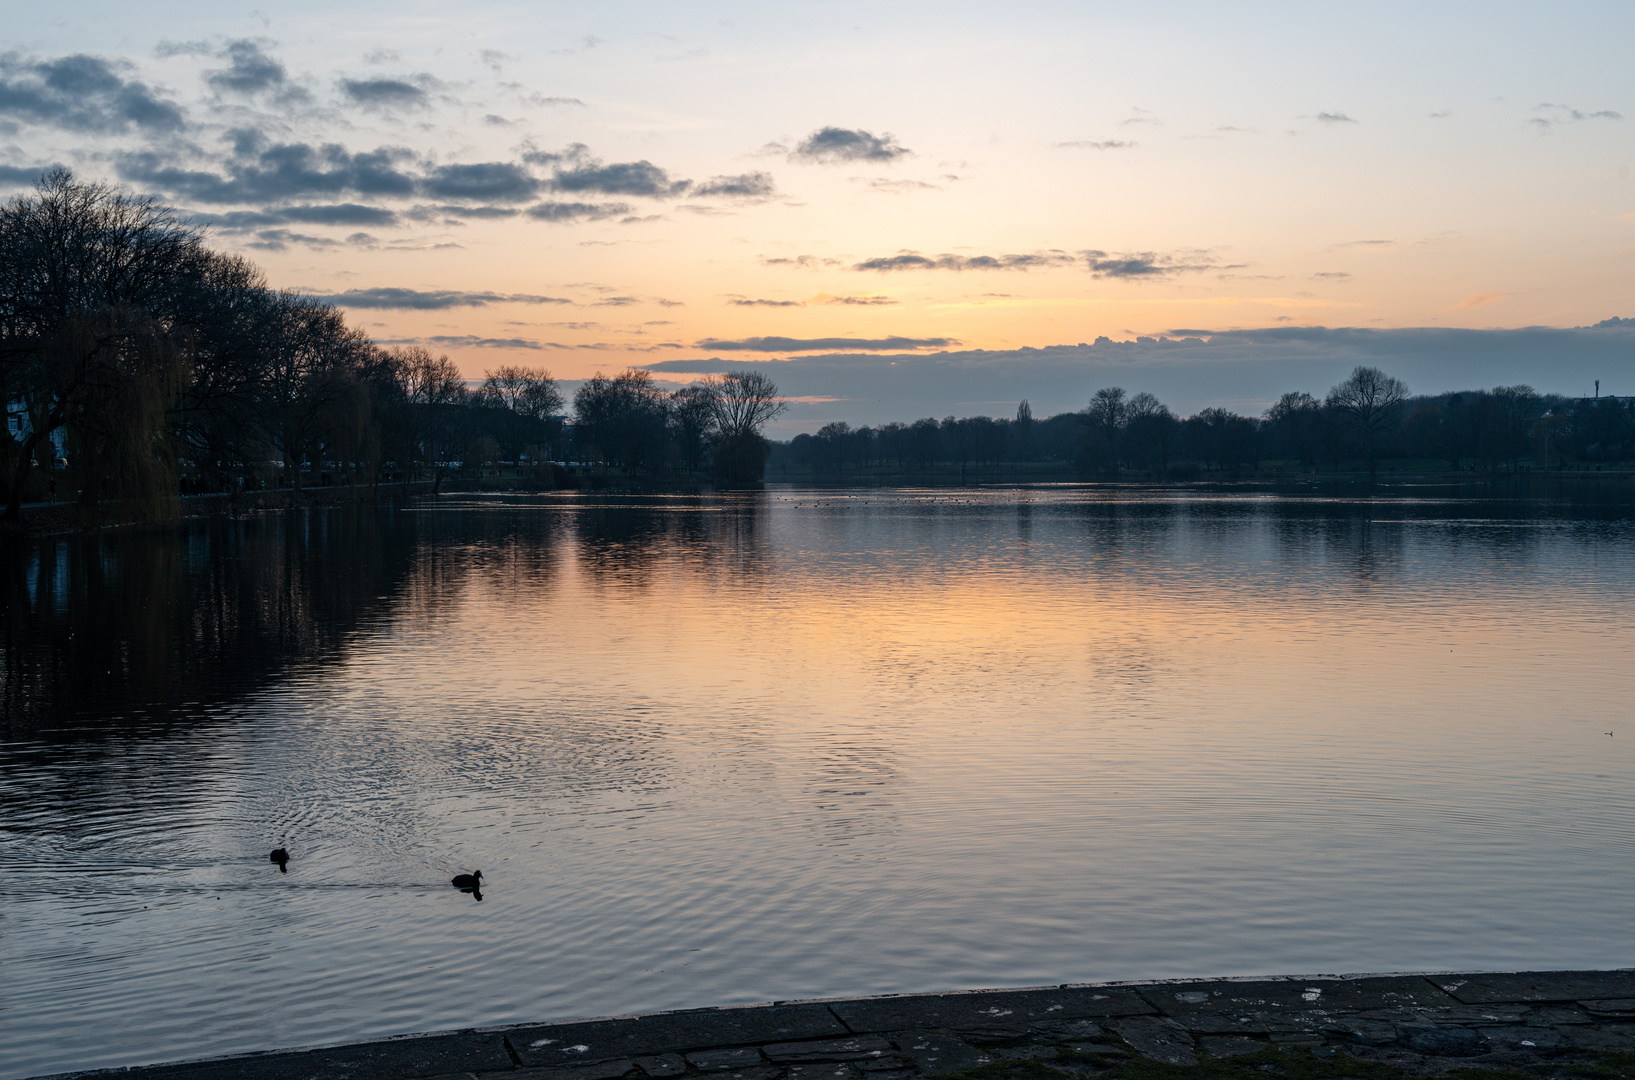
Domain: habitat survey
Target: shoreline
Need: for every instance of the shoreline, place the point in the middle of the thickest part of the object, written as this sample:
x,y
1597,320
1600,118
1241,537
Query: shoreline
x,y
1415,1024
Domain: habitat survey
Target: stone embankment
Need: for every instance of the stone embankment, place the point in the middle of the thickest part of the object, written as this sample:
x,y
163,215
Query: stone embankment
x,y
1538,1023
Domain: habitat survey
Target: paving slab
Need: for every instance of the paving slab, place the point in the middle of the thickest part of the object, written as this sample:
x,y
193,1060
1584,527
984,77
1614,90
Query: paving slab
x,y
1350,995
1539,986
937,1053
602,1070
744,1057
660,1066
1158,1040
1226,1046
826,1071
856,1048
629,1036
1000,1011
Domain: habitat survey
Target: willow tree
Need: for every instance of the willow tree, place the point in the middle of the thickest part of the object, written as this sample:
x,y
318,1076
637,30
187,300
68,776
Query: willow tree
x,y
90,283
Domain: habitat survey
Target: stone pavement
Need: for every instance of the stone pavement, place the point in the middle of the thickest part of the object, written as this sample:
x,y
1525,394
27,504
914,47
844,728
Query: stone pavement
x,y
1421,1023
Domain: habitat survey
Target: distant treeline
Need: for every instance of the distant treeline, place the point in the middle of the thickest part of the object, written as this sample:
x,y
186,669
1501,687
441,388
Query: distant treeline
x,y
166,368
1367,419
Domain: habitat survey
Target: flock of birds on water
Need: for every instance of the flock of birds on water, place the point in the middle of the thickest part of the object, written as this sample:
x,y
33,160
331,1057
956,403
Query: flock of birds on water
x,y
467,883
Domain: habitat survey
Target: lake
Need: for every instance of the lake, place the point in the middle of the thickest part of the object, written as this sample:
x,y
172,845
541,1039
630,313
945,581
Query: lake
x,y
797,743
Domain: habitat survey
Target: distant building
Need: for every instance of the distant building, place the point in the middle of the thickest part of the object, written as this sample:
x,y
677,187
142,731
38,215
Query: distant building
x,y
18,426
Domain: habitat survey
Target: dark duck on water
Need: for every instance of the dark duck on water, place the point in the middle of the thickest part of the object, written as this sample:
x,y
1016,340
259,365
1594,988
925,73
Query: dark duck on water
x,y
472,880
282,858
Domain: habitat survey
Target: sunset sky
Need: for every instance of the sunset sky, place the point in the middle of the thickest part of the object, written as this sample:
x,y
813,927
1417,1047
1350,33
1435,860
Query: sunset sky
x,y
904,209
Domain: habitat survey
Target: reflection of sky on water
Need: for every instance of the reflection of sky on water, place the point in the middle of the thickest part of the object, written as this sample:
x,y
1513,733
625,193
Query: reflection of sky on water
x,y
796,744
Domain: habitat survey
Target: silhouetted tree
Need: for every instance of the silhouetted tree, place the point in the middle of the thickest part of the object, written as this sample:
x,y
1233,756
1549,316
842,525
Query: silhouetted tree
x,y
1370,399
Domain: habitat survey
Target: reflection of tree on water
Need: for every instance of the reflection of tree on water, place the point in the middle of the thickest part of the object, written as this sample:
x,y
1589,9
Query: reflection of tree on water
x,y
115,624
623,542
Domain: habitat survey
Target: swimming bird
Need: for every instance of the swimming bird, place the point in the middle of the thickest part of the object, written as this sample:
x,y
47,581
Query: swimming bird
x,y
468,881
281,857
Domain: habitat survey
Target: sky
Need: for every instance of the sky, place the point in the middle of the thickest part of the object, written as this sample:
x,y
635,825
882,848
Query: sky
x,y
897,210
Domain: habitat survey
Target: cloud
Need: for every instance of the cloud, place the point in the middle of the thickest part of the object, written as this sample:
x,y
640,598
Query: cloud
x,y
1242,369
1556,113
1149,265
855,301
429,213
1335,118
832,144
22,174
83,93
259,172
466,341
910,260
280,239
1093,144
249,70
896,187
1478,299
387,298
575,211
336,214
576,171
751,185
742,302
1331,275
388,93
491,181
544,101
807,262
786,344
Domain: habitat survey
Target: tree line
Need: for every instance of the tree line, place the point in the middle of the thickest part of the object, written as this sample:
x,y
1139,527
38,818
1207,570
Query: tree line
x,y
1368,418
169,368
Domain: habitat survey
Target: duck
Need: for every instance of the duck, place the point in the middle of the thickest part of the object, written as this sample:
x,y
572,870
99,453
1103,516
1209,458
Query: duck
x,y
280,856
468,881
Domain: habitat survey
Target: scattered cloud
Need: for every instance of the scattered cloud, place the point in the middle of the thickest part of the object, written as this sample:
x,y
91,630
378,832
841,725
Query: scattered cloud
x,y
250,70
1140,116
83,93
576,171
491,181
261,172
856,301
895,187
1331,275
575,211
910,260
1147,265
750,185
1334,118
1551,114
389,93
428,299
333,214
831,145
1476,300
466,341
786,344
739,301
1096,144
805,262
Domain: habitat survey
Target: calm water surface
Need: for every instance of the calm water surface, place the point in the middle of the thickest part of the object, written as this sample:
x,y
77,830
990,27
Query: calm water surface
x,y
793,744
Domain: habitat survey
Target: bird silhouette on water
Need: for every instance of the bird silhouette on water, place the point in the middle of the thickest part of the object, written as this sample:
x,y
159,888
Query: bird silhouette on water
x,y
282,858
470,883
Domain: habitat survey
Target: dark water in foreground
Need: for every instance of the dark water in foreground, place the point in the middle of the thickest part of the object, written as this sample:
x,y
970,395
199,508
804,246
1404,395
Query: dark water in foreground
x,y
796,744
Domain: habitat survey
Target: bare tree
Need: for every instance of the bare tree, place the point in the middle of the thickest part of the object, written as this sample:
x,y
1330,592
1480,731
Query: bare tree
x,y
1371,399
743,402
